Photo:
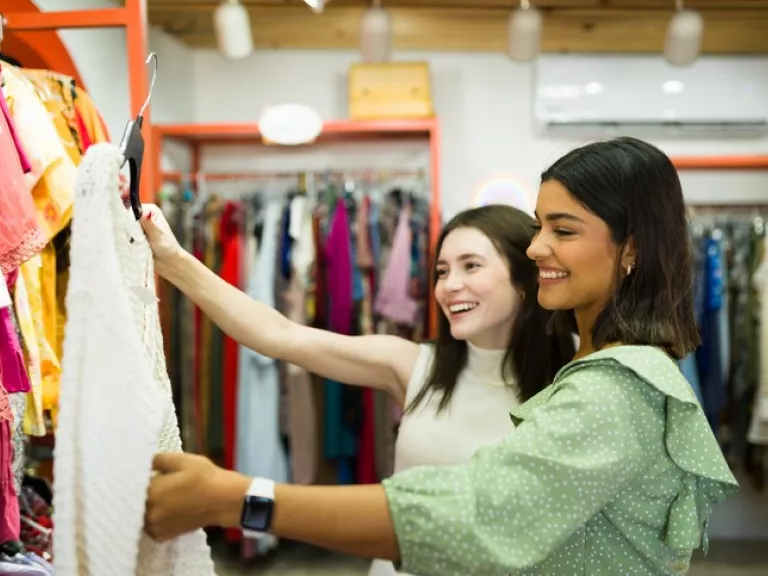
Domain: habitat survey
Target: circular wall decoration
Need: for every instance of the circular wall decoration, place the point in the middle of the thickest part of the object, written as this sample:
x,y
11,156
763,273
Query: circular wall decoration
x,y
504,189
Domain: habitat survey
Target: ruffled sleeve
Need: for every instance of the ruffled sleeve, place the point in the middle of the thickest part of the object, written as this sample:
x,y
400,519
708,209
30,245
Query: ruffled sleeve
x,y
581,449
690,444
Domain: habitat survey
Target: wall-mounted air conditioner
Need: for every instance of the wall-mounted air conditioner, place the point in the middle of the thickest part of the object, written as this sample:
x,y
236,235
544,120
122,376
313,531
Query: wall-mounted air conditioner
x,y
586,95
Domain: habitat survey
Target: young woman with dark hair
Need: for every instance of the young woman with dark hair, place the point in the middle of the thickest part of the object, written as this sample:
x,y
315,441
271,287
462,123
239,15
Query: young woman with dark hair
x,y
612,469
493,349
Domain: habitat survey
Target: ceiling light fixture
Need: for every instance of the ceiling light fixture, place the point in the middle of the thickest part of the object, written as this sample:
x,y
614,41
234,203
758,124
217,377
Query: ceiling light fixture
x,y
232,27
524,40
290,124
684,34
376,34
316,5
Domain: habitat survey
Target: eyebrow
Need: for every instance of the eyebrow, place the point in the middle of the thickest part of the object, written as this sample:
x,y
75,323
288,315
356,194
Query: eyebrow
x,y
462,258
560,216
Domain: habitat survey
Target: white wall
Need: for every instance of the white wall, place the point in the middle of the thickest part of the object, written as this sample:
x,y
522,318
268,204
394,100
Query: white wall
x,y
484,105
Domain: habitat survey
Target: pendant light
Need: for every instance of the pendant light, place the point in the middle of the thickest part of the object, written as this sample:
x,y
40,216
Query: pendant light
x,y
316,5
524,40
684,35
232,27
376,34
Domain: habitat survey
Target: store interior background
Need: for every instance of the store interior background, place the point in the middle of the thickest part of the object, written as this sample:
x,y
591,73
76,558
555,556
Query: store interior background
x,y
484,102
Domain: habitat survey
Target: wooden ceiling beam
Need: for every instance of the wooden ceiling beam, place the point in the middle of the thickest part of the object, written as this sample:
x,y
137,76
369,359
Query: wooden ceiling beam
x,y
590,30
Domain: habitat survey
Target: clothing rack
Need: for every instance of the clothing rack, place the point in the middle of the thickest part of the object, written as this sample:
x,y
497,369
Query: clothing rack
x,y
199,136
358,175
25,24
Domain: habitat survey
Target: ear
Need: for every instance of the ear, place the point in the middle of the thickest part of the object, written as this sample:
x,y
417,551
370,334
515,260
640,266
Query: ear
x,y
629,253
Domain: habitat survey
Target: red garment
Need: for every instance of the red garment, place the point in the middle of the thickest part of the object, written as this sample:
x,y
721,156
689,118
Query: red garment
x,y
10,519
13,370
23,160
20,234
82,132
232,248
197,319
366,458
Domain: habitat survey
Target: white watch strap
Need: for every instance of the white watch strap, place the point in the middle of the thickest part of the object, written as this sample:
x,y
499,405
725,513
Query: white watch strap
x,y
263,488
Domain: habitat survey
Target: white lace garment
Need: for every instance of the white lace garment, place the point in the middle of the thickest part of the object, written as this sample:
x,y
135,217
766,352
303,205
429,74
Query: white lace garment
x,y
116,408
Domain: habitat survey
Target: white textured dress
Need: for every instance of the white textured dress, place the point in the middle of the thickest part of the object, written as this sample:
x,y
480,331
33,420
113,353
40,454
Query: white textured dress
x,y
116,408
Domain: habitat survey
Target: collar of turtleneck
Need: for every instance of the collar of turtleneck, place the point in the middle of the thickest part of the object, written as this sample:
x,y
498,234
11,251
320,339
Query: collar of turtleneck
x,y
485,364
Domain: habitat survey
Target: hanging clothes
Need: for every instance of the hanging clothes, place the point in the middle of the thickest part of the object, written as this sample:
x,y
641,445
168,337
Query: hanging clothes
x,y
394,300
10,523
115,392
20,234
340,440
709,354
328,252
6,113
32,339
52,178
758,430
727,253
258,389
232,251
301,415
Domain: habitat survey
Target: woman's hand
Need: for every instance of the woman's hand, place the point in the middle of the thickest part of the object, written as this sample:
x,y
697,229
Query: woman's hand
x,y
191,492
165,248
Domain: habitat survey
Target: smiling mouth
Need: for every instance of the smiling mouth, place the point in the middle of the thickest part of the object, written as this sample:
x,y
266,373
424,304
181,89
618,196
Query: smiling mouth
x,y
551,277
457,310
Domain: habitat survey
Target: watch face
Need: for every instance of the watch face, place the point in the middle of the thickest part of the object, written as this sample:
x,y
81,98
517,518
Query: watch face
x,y
257,513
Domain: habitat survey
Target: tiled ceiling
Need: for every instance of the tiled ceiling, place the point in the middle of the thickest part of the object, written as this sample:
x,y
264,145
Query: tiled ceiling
x,y
635,26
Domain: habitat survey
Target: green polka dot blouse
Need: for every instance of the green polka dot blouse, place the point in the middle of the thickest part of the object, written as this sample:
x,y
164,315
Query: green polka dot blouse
x,y
612,470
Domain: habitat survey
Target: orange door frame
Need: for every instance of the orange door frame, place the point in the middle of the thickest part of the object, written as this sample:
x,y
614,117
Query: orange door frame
x,y
33,34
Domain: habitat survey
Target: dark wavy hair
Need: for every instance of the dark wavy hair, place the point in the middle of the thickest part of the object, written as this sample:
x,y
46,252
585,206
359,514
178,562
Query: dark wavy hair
x,y
535,352
634,188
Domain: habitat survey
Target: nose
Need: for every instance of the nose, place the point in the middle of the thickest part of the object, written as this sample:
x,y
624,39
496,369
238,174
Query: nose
x,y
453,282
538,249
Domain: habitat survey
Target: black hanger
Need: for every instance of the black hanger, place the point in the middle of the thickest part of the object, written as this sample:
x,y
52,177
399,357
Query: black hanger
x,y
132,145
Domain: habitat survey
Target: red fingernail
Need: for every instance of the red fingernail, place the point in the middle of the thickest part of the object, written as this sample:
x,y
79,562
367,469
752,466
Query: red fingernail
x,y
149,216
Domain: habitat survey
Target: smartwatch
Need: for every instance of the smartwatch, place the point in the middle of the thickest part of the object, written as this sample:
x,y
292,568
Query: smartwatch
x,y
258,503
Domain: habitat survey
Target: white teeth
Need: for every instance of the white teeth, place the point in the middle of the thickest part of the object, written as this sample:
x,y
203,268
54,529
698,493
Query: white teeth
x,y
551,274
462,307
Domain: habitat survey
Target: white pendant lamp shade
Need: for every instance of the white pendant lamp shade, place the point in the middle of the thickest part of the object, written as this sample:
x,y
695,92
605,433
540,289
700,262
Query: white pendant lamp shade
x,y
232,26
524,34
316,5
684,35
376,35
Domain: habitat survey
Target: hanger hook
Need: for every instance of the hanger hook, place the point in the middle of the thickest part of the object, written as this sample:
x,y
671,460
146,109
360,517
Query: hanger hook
x,y
151,58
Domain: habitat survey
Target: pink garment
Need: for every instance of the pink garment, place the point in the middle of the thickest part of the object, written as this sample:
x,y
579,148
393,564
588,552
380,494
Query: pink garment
x,y
23,160
13,371
10,519
394,301
20,234
338,254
